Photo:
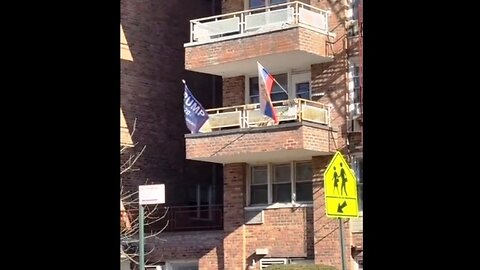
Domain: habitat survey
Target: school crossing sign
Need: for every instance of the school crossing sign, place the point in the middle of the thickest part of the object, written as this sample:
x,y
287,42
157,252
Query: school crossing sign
x,y
340,186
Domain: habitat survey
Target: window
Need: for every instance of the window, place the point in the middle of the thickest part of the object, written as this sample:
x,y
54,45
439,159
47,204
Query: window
x,y
297,85
303,90
281,183
355,9
277,92
356,83
264,3
259,185
353,30
358,168
303,182
200,198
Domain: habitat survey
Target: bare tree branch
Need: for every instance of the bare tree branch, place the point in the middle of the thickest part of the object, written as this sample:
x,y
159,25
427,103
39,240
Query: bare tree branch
x,y
129,222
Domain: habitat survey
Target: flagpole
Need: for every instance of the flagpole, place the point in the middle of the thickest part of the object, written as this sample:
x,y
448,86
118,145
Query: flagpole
x,y
281,87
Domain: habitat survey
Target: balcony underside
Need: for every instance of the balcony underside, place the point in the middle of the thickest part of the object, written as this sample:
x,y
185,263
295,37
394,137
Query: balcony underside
x,y
297,60
280,143
264,157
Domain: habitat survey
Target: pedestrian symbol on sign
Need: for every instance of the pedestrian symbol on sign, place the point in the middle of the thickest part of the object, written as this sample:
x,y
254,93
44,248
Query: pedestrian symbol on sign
x,y
340,201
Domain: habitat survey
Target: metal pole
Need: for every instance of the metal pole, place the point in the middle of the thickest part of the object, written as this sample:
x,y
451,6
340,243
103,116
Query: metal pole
x,y
342,248
141,239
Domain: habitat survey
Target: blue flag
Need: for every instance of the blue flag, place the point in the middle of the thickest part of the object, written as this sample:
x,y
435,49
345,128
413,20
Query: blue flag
x,y
195,114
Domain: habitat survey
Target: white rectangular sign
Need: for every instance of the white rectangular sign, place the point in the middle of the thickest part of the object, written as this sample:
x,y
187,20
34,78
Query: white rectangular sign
x,y
151,194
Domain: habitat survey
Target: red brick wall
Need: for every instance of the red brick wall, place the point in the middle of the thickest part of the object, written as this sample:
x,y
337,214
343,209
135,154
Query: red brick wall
x,y
330,78
326,230
276,139
255,46
233,224
233,91
283,233
205,246
152,92
229,6
188,245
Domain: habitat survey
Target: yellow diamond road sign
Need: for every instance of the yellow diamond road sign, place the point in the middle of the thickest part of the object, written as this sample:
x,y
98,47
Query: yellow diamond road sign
x,y
340,186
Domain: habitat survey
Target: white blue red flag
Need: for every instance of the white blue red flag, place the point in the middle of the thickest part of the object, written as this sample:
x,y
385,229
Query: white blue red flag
x,y
265,84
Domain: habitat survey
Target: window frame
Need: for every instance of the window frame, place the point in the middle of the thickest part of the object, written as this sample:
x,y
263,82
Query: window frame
x,y
270,180
357,165
293,78
246,4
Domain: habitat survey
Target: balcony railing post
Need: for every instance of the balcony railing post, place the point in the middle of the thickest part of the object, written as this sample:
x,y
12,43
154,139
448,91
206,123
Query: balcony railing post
x,y
329,121
191,31
297,13
327,15
242,23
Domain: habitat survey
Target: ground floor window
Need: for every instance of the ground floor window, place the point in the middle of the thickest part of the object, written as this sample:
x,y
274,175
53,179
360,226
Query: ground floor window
x,y
280,183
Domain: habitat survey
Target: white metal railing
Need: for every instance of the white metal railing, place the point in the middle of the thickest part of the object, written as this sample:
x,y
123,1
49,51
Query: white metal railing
x,y
249,115
253,21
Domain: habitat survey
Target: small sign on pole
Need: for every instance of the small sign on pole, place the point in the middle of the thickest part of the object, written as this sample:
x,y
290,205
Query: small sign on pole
x,y
151,194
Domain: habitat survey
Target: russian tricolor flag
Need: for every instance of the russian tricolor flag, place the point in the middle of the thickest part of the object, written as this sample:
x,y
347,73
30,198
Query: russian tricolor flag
x,y
265,83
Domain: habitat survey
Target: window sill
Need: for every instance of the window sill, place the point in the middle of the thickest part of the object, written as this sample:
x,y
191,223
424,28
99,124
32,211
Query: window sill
x,y
279,205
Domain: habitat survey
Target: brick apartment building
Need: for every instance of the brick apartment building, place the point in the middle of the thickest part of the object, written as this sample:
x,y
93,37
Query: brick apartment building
x,y
243,193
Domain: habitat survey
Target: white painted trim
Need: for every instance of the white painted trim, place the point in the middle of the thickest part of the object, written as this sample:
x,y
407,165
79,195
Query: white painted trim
x,y
301,77
293,190
247,188
270,174
293,77
247,89
269,181
279,206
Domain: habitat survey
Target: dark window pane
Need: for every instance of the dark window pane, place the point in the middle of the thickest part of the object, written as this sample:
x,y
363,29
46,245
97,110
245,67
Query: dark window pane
x,y
204,194
279,96
360,197
356,82
256,3
259,175
356,70
303,172
356,95
304,192
282,193
282,79
281,173
303,90
277,92
258,194
254,86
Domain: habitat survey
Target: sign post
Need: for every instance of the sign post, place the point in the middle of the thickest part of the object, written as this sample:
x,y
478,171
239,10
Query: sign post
x,y
147,194
342,246
341,199
141,238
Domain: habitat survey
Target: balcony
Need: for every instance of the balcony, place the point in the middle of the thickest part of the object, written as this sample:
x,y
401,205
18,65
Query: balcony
x,y
183,218
230,44
243,134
